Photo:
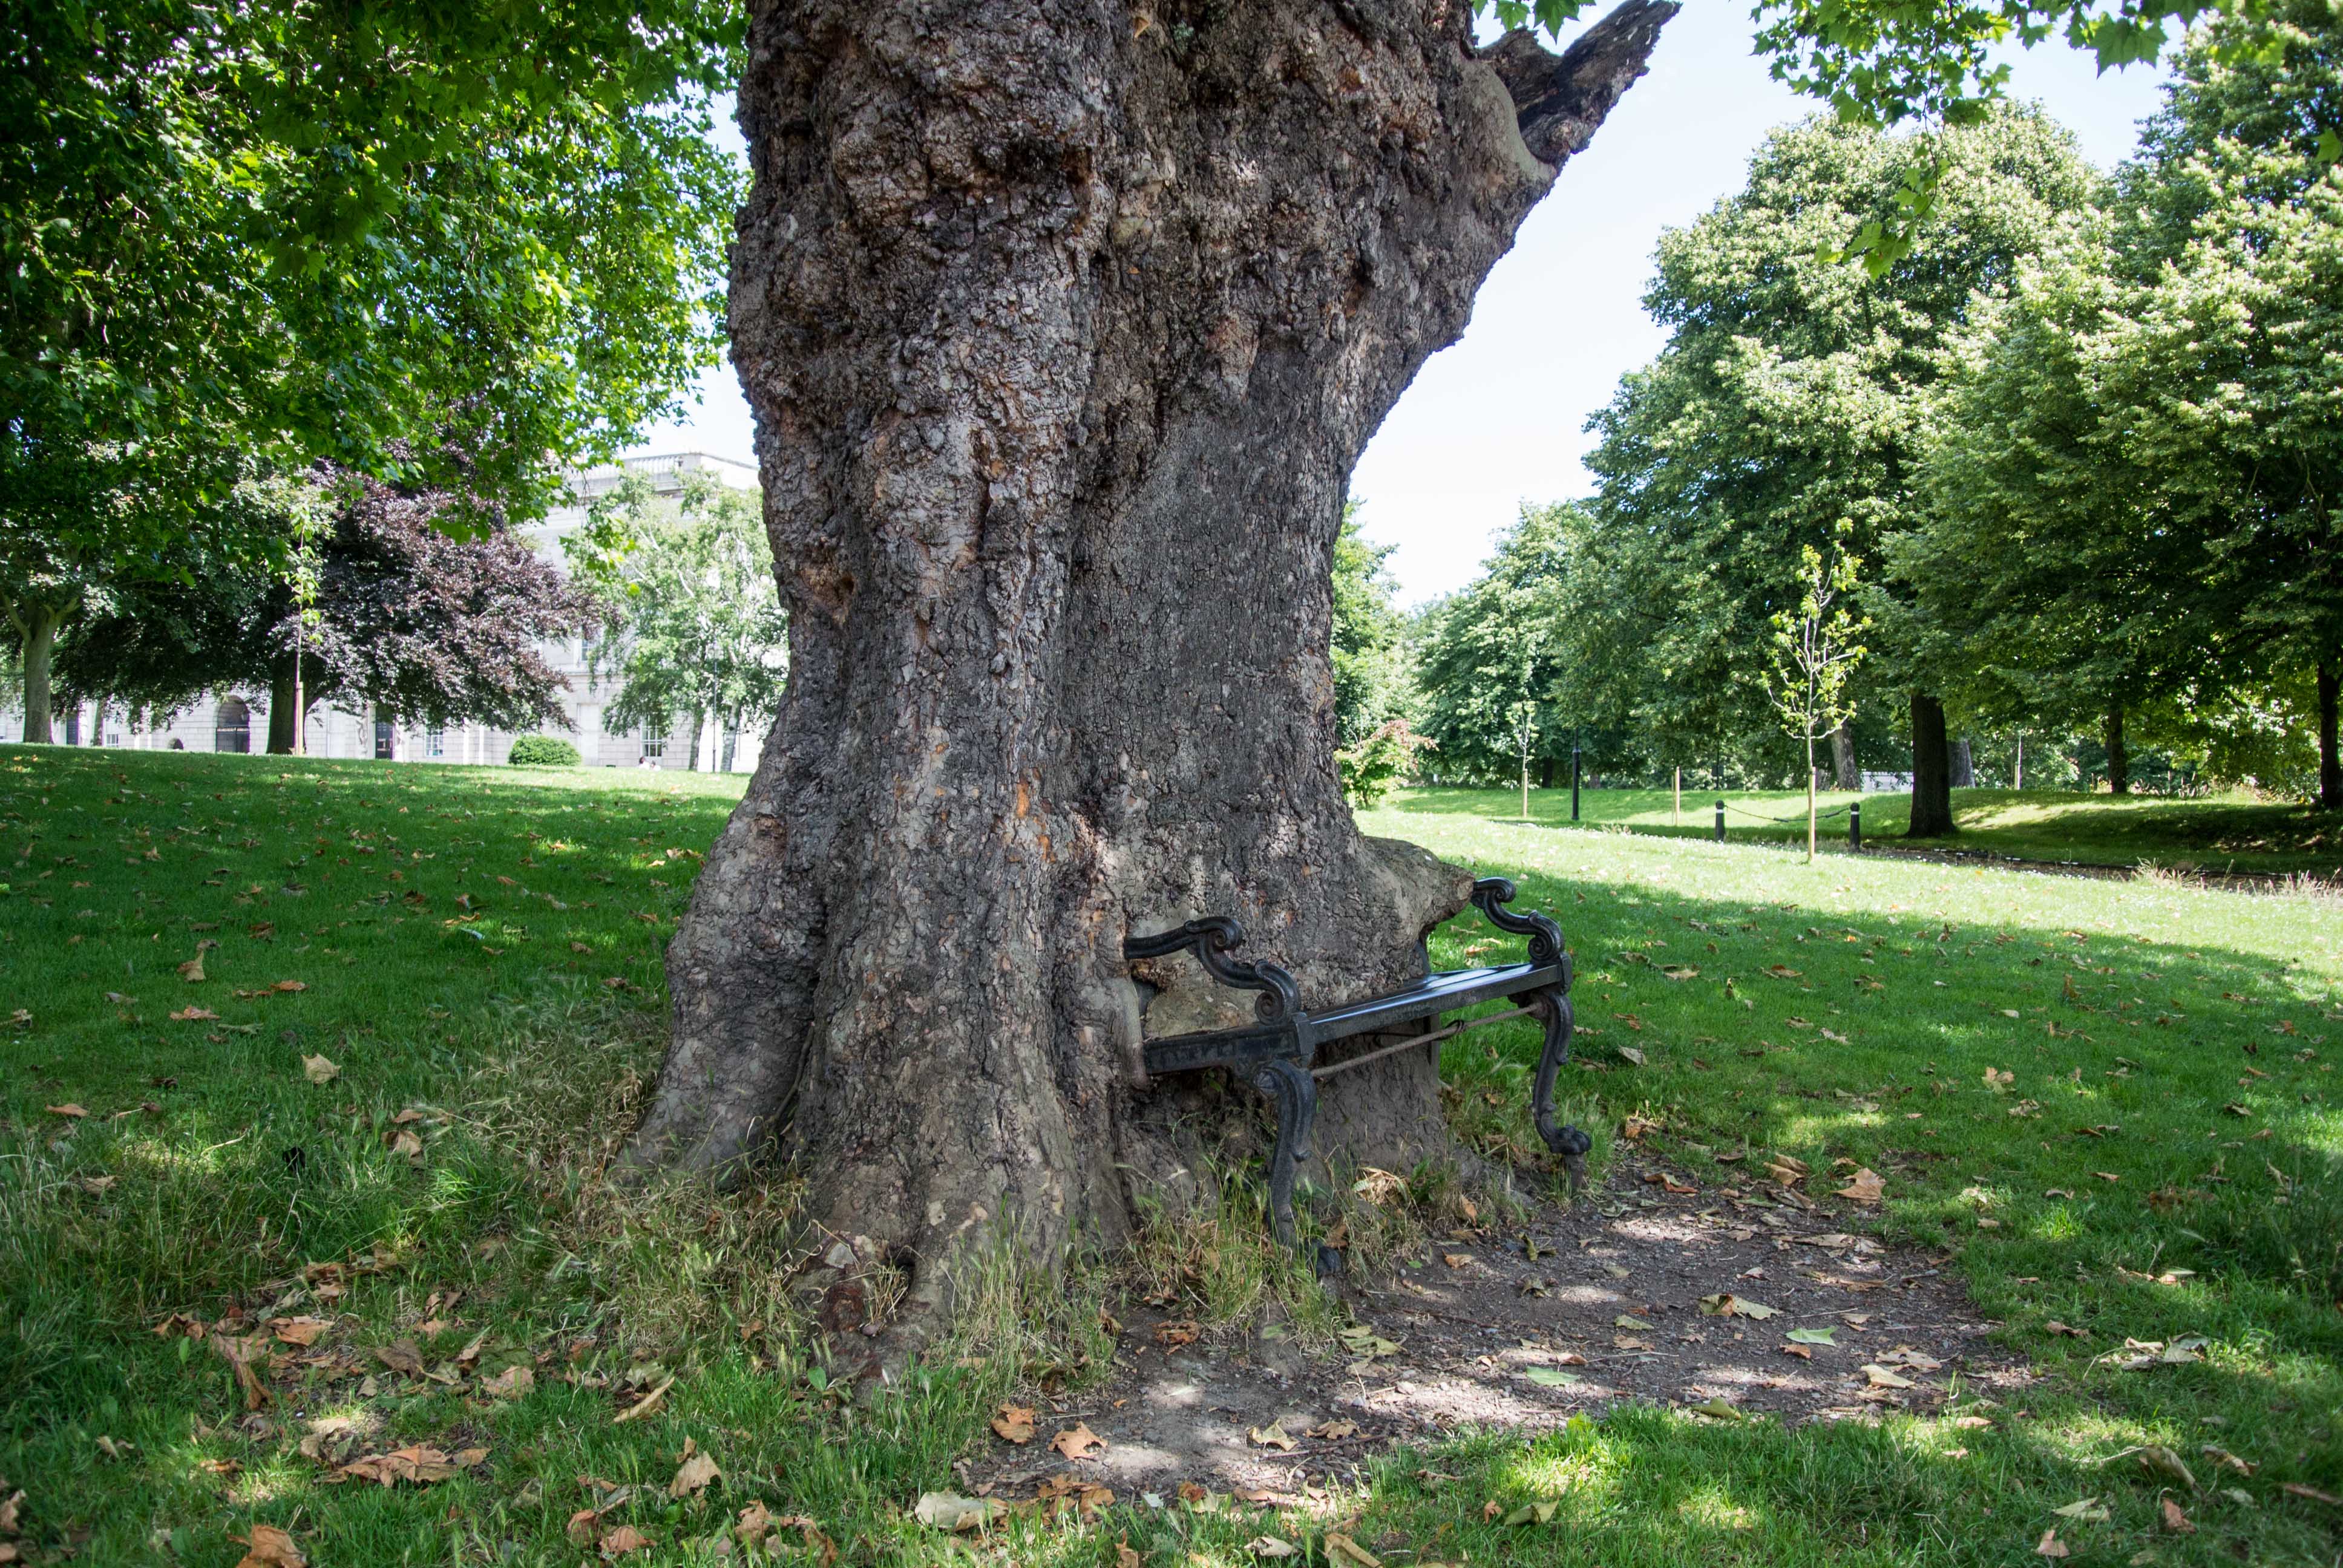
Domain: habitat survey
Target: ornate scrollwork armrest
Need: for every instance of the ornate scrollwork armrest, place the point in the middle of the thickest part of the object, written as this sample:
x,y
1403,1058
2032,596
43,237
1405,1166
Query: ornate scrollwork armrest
x,y
1492,894
1212,940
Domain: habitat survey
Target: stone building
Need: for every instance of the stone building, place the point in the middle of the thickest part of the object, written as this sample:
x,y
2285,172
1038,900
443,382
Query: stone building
x,y
238,720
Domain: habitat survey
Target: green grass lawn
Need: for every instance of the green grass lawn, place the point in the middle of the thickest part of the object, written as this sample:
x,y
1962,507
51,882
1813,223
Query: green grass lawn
x,y
2217,835
2161,1163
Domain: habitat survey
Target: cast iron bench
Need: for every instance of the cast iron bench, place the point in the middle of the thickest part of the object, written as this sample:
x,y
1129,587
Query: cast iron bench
x,y
1279,1050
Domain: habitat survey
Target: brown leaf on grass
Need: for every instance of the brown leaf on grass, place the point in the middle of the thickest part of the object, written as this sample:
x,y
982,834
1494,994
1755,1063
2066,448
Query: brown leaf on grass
x,y
240,1353
950,1512
1078,1442
692,1476
1343,1548
1014,1423
2174,1520
1634,1127
404,1141
418,1464
1631,1055
2297,1489
194,1015
647,1405
2050,1545
580,1528
510,1383
1173,1335
192,972
1124,1557
2228,1461
303,1331
318,1070
1863,1187
269,1547
289,985
623,1542
400,1356
68,1109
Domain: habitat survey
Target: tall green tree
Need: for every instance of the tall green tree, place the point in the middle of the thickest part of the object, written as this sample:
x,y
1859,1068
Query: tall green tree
x,y
430,243
695,628
1372,684
2137,450
1785,411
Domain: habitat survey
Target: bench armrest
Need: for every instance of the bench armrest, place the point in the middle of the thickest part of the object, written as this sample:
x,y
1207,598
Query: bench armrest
x,y
1492,894
1212,940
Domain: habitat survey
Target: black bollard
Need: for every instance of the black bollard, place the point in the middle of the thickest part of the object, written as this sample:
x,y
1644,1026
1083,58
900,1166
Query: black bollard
x,y
1720,821
1574,783
1854,825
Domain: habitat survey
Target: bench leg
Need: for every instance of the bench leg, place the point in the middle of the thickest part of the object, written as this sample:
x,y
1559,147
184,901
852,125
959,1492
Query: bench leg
x,y
1294,1092
1570,1142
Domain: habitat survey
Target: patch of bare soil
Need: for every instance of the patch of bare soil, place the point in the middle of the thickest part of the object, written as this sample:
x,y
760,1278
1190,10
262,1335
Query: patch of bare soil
x,y
1475,1331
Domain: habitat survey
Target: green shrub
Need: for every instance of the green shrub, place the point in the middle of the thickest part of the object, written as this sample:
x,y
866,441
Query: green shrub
x,y
1369,768
543,752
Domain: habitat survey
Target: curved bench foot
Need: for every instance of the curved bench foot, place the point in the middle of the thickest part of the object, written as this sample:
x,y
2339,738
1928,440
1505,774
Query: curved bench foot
x,y
1571,1144
1294,1092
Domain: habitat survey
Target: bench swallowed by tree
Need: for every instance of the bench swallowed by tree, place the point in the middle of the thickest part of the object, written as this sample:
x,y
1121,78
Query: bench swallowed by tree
x,y
1279,1049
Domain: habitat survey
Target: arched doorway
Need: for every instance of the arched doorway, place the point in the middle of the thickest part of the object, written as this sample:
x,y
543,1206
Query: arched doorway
x,y
232,725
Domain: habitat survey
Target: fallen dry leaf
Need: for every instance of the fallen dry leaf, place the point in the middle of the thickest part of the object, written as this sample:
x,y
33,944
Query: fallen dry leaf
x,y
1274,1436
1343,1548
269,1547
1014,1423
302,1331
510,1383
2050,1545
1078,1442
1725,1304
318,1070
2297,1489
1333,1431
400,1356
418,1464
192,972
646,1405
194,1015
1863,1187
1271,1547
692,1476
2174,1519
1179,1331
1882,1377
68,1109
623,1541
404,1142
949,1510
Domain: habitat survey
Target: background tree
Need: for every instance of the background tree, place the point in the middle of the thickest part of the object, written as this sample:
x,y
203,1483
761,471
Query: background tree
x,y
1787,404
407,619
687,591
2136,452
1371,670
424,243
1815,651
1487,667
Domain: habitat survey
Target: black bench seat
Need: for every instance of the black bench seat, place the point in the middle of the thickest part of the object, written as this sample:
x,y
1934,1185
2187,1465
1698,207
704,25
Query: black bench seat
x,y
1280,1050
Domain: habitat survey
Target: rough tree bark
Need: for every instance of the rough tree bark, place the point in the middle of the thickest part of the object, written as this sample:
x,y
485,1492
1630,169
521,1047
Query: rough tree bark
x,y
1844,774
1932,771
2330,766
287,697
1064,322
2111,730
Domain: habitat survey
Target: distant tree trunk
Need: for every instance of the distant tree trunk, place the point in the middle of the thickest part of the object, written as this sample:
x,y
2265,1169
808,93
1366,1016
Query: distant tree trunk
x,y
2330,768
1844,774
1964,765
1545,773
37,626
1932,790
1064,328
2118,756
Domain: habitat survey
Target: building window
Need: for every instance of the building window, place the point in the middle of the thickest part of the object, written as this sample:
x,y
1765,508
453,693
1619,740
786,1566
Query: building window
x,y
435,741
654,741
386,740
231,726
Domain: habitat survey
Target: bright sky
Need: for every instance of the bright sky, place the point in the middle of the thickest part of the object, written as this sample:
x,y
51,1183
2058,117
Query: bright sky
x,y
1500,417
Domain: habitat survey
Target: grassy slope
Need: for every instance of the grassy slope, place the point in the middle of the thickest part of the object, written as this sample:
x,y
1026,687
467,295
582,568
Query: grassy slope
x,y
511,1045
2227,833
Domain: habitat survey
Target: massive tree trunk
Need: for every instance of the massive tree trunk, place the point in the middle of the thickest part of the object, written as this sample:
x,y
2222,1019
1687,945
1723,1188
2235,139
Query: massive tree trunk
x,y
1932,771
1844,774
2330,767
1064,322
2118,754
